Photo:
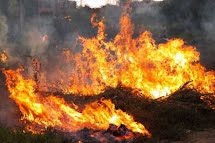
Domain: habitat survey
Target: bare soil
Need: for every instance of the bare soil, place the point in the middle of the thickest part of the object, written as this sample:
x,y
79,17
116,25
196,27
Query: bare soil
x,y
205,136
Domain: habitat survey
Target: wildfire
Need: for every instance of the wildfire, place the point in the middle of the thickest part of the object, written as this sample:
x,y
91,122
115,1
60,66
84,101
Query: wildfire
x,y
3,57
138,63
51,111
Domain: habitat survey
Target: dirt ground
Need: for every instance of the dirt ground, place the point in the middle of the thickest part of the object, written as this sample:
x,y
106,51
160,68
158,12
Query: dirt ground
x,y
205,136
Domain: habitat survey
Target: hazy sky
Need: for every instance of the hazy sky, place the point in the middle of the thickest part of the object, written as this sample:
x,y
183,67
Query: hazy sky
x,y
95,3
99,3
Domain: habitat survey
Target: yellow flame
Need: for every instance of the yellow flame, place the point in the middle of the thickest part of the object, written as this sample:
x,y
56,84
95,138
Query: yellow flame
x,y
138,63
51,111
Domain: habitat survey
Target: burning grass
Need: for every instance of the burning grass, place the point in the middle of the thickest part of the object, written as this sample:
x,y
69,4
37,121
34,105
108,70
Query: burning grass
x,y
165,118
169,118
132,89
156,70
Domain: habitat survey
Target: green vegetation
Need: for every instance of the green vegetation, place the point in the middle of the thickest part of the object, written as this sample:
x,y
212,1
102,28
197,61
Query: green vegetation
x,y
9,136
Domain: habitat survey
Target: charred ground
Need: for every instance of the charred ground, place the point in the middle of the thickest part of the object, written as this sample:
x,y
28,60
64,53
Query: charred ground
x,y
169,119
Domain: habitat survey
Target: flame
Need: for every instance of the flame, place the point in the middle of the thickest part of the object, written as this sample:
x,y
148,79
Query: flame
x,y
137,63
52,111
3,57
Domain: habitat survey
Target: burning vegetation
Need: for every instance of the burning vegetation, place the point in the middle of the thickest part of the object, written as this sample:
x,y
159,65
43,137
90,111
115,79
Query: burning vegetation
x,y
155,74
51,111
138,63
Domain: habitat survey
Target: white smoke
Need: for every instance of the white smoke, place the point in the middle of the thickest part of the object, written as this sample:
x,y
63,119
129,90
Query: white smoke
x,y
95,3
3,29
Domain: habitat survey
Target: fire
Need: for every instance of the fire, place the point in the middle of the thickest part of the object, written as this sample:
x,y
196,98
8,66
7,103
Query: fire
x,y
3,57
156,70
52,111
137,63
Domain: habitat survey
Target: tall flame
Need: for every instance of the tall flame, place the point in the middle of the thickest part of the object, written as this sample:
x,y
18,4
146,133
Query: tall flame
x,y
138,63
51,111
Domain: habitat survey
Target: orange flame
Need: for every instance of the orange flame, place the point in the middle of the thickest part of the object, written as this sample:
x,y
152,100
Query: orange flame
x,y
138,63
51,111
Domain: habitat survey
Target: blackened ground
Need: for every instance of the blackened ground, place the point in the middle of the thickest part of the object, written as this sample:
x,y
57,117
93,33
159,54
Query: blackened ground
x,y
169,118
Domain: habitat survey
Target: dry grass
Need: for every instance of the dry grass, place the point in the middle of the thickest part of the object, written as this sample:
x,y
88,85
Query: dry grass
x,y
166,119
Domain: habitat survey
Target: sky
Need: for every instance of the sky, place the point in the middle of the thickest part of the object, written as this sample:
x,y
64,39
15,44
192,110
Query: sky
x,y
99,3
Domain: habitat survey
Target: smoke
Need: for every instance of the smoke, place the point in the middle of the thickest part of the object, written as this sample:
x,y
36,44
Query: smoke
x,y
207,24
95,4
206,41
148,16
21,48
3,29
36,36
8,111
190,20
45,37
208,19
